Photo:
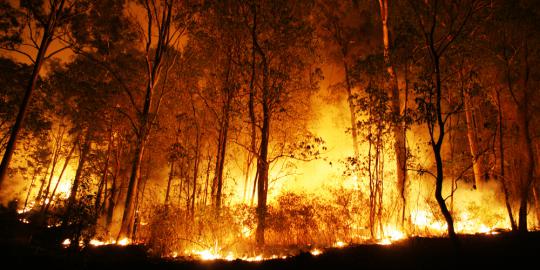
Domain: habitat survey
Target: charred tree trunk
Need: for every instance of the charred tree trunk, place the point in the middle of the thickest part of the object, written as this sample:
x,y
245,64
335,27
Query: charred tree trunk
x,y
398,130
501,165
473,143
262,179
528,174
114,193
128,216
66,163
354,128
195,172
77,181
169,181
48,34
56,156
252,118
437,145
104,174
36,172
154,61
222,149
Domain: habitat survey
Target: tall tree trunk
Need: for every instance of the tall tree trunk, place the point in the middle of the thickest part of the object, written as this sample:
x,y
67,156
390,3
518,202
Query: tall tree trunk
x,y
523,119
128,216
36,172
104,173
354,128
501,165
528,170
262,180
398,130
48,34
114,193
77,181
222,149
473,143
262,162
169,181
195,171
252,118
66,163
56,156
154,61
437,146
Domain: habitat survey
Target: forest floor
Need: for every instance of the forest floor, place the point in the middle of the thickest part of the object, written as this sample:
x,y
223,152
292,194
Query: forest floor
x,y
500,251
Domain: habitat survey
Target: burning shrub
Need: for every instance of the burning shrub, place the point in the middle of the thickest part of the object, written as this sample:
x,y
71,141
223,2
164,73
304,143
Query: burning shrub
x,y
174,231
292,220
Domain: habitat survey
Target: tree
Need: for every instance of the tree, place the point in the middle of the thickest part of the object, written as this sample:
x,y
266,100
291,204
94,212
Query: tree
x,y
440,31
283,58
171,19
399,129
36,18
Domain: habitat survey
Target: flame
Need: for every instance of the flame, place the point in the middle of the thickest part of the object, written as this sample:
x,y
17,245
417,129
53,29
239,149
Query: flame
x,y
124,242
316,252
66,242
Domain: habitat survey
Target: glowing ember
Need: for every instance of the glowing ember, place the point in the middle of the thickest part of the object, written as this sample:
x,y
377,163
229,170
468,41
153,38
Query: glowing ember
x,y
66,242
385,242
340,244
316,252
394,234
123,242
207,255
95,242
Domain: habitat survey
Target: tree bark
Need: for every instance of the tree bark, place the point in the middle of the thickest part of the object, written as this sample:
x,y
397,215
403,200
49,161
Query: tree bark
x,y
398,130
262,162
76,182
128,216
222,150
169,181
154,68
501,165
473,143
438,145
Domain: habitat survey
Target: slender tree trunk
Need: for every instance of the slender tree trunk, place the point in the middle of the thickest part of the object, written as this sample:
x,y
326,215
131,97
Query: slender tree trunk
x,y
262,180
76,182
114,193
56,155
223,149
399,135
66,163
524,123
354,128
30,189
167,192
252,118
528,175
208,169
438,145
262,162
196,171
473,143
104,173
48,33
501,165
128,216
154,61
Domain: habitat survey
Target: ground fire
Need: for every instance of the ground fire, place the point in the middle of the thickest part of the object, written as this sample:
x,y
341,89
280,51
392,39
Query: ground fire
x,y
255,131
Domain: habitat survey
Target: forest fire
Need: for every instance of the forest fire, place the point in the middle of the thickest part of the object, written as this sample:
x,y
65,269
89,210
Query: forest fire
x,y
262,131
